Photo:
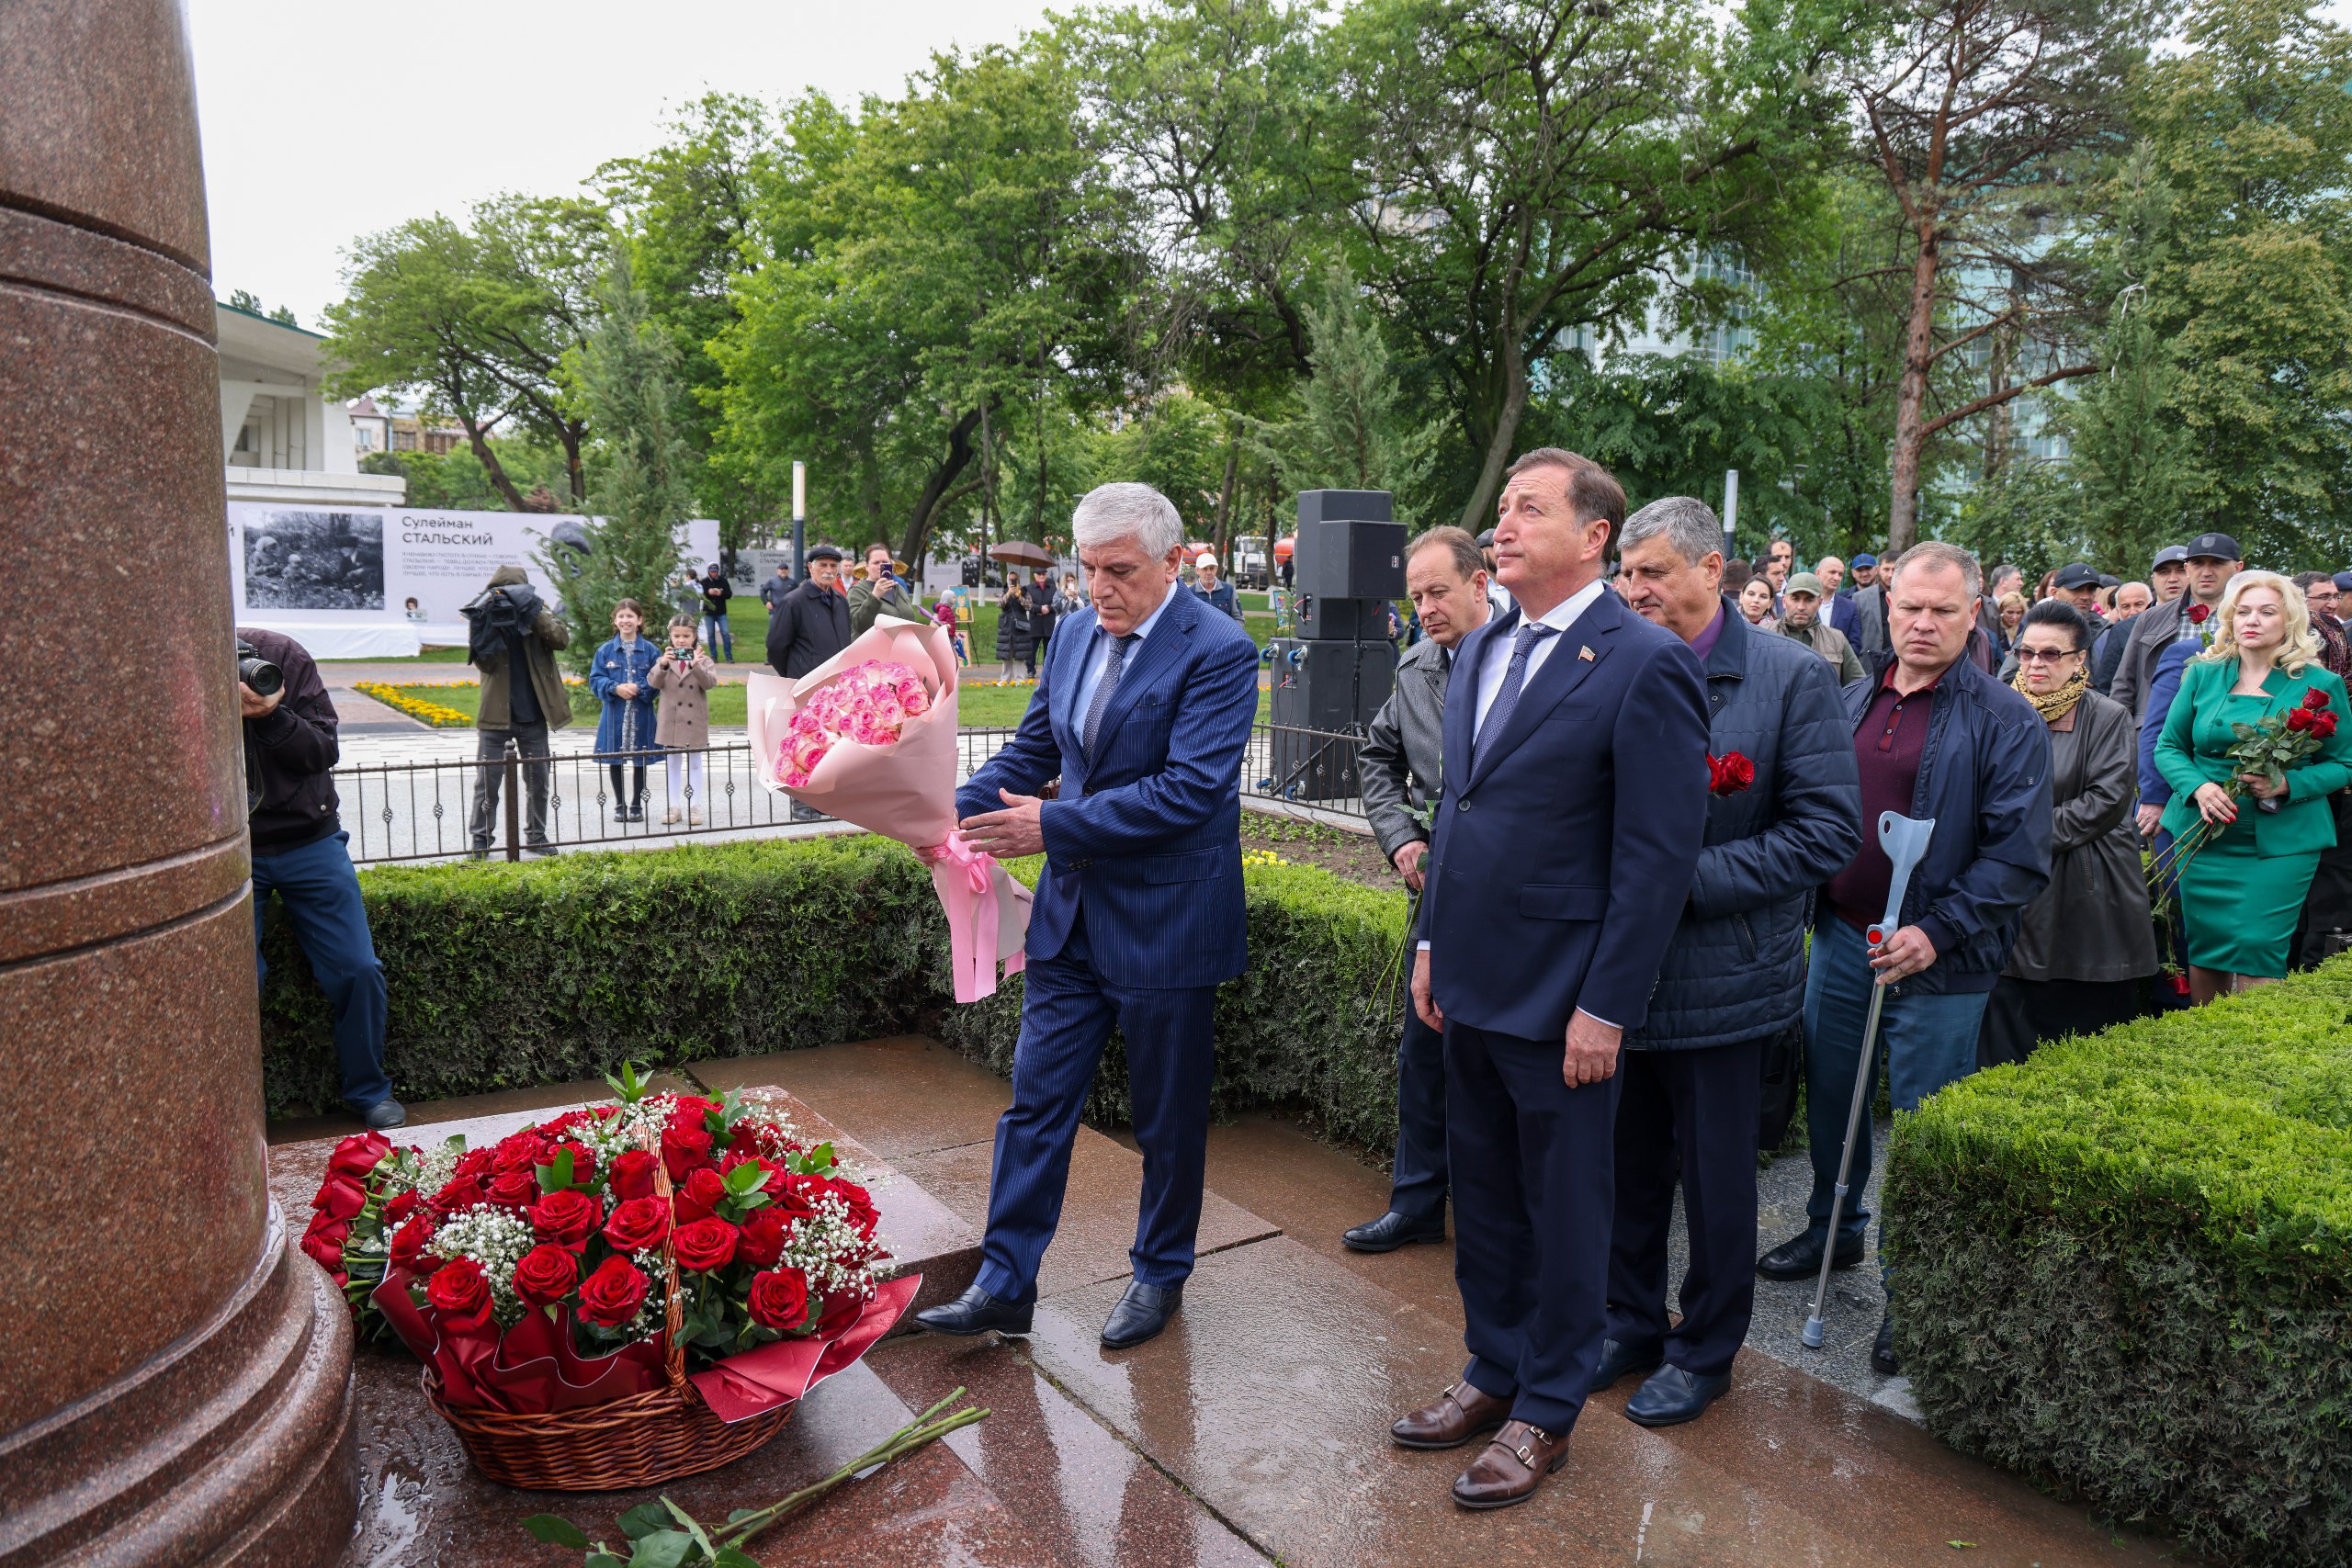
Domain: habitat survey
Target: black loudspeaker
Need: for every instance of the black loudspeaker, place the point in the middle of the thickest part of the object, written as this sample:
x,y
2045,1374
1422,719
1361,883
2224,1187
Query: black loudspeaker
x,y
1342,620
1352,559
1325,693
1344,506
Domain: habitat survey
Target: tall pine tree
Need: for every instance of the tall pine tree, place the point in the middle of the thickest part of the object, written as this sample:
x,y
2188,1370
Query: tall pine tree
x,y
640,492
1347,432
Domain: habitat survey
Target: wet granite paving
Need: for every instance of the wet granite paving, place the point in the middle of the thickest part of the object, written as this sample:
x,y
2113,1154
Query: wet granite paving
x,y
1255,1428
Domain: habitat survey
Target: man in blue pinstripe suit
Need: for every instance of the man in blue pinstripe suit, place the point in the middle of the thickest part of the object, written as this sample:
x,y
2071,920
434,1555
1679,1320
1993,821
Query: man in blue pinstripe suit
x,y
1142,708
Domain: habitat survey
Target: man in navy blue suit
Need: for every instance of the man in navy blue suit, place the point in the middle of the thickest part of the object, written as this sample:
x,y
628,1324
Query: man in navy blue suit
x,y
1142,708
1575,799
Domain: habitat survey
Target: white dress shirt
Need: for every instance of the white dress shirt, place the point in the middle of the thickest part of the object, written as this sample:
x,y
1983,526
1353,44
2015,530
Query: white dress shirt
x,y
1497,663
1098,652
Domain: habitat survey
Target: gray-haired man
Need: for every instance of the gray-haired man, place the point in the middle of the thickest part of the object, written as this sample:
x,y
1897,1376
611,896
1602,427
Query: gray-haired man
x,y
1445,576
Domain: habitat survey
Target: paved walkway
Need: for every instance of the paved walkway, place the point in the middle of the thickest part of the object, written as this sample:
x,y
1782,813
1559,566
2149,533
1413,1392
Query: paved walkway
x,y
1254,1429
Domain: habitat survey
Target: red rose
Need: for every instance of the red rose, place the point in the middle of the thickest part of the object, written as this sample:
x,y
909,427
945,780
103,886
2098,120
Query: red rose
x,y
358,1155
761,1241
323,1241
779,1300
772,1182
340,1198
407,1246
861,1212
462,1193
612,1293
515,1188
475,1162
2324,725
632,1175
798,1195
637,1224
683,1149
2315,699
705,1245
459,1293
2300,718
584,1164
546,1275
565,1217
2197,613
402,1205
1729,774
519,1151
700,1197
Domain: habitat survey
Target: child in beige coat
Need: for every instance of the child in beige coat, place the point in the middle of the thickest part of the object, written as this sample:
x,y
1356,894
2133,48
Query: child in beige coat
x,y
684,676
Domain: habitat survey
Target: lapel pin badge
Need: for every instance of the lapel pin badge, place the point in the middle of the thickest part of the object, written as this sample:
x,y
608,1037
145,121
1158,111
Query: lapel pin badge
x,y
1585,653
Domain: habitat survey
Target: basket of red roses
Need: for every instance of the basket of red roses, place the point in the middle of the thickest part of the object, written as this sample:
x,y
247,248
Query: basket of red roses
x,y
622,1294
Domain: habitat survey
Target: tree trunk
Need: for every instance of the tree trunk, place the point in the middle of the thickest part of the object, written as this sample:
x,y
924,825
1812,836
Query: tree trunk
x,y
935,490
1225,504
574,436
1998,421
477,437
1911,394
1478,513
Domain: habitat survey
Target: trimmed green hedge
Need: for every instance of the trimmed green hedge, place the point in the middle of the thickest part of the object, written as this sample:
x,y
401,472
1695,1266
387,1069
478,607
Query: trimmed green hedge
x,y
550,971
2125,1268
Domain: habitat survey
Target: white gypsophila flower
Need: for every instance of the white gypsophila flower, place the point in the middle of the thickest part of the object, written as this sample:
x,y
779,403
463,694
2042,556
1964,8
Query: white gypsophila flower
x,y
437,1167
495,1239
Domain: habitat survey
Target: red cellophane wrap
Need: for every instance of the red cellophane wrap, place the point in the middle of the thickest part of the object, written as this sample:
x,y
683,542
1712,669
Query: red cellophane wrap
x,y
905,791
532,1368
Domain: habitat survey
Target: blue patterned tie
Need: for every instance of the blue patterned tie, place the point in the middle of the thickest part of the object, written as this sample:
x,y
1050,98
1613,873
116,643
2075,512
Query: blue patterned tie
x,y
1103,686
1499,714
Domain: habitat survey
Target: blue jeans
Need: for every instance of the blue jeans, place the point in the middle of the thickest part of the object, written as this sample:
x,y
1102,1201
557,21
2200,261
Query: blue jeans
x,y
1930,1041
717,633
320,892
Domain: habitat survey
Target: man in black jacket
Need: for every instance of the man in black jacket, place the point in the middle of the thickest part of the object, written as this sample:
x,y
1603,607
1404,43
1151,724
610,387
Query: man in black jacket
x,y
811,622
1733,975
299,855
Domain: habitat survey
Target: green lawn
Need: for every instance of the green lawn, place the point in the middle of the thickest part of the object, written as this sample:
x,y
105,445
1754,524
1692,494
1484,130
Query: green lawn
x,y
978,706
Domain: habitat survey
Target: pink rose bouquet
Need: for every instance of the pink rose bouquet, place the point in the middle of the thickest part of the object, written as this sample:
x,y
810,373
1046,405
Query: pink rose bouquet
x,y
869,736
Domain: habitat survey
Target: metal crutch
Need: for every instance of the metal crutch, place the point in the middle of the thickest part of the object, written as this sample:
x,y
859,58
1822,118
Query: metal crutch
x,y
1905,840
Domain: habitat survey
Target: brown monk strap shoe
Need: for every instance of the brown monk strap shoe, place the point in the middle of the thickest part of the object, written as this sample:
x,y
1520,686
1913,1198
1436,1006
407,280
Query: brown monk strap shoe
x,y
1458,1415
1510,1468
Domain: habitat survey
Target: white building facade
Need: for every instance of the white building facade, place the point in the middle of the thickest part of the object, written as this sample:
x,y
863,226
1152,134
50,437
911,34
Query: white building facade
x,y
282,440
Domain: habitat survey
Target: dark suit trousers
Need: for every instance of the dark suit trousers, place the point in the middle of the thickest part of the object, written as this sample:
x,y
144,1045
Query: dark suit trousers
x,y
1691,1112
1531,1160
1419,1187
1066,1019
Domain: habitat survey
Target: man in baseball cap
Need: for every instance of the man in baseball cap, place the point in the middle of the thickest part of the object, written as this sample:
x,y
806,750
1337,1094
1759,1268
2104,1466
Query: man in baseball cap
x,y
1868,633
1220,595
2212,560
2076,585
2169,573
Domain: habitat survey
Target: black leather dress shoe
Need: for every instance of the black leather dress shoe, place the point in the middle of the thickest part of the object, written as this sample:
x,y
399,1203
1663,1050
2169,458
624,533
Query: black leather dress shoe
x,y
976,1312
1391,1231
1618,1360
1882,1359
1673,1396
1798,1257
1141,1313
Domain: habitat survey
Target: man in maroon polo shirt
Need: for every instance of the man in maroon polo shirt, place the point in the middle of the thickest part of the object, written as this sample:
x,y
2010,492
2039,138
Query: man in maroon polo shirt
x,y
1934,737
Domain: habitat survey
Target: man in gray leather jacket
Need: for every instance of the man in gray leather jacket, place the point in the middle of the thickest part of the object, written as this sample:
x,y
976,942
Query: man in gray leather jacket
x,y
1445,576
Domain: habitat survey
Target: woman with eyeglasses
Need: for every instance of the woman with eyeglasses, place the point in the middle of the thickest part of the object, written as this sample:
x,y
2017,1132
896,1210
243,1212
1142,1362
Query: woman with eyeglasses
x,y
2242,888
2086,944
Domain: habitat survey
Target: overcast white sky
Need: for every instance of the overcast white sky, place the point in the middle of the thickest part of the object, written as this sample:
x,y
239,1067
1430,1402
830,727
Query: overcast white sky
x,y
326,121
322,123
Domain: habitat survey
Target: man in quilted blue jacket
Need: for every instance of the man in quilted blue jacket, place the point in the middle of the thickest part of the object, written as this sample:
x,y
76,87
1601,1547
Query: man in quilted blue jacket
x,y
1734,971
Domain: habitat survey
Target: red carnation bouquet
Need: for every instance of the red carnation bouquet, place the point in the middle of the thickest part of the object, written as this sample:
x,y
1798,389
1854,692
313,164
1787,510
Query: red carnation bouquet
x,y
532,1275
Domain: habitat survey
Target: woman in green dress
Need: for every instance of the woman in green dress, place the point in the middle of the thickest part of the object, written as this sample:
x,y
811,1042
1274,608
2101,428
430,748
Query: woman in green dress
x,y
2242,890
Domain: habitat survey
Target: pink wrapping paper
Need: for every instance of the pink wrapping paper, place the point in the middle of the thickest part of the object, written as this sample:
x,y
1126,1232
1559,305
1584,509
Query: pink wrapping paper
x,y
905,792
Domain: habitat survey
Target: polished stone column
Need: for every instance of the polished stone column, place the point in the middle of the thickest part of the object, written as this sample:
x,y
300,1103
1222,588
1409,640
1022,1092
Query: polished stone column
x,y
175,1379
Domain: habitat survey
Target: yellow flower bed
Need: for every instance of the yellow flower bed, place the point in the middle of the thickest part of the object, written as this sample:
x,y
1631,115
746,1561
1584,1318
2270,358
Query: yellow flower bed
x,y
424,708
1261,857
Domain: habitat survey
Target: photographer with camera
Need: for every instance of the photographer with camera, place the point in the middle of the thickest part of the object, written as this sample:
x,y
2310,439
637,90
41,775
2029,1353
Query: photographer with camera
x,y
511,641
298,853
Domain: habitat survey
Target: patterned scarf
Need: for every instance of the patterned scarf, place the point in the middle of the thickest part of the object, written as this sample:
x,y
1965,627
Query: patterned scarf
x,y
2054,705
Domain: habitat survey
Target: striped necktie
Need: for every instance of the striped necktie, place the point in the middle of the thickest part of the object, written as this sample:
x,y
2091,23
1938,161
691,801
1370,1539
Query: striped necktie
x,y
1103,686
1514,678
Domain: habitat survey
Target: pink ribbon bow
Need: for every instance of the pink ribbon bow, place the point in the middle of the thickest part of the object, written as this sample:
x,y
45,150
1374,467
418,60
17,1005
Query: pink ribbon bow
x,y
964,879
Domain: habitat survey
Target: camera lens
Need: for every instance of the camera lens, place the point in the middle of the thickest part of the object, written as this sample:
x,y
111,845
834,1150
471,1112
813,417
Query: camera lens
x,y
256,672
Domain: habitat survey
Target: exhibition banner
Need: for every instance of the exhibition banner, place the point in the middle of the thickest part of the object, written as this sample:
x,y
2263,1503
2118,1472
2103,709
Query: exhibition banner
x,y
374,582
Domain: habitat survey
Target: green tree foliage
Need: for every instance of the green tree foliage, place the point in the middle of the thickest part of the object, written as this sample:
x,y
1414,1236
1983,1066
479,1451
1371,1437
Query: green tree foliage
x,y
1540,165
627,380
1348,430
478,319
2248,280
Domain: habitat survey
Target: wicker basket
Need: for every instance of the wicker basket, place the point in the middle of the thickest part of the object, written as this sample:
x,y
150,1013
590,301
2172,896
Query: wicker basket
x,y
643,1439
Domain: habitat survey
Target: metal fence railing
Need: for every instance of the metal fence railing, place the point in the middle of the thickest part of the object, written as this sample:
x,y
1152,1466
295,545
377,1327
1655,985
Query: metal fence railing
x,y
434,810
